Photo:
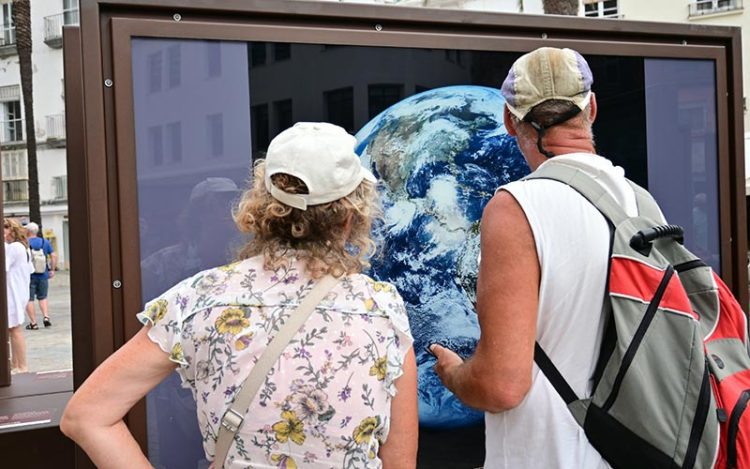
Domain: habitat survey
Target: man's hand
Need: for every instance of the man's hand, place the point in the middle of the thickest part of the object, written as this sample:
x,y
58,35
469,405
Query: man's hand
x,y
447,364
51,274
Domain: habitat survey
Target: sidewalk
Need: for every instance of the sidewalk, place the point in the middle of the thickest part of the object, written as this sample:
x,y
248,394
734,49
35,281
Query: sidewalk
x,y
49,348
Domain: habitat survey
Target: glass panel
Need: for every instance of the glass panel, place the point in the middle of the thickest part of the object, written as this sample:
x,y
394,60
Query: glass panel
x,y
444,114
682,149
192,154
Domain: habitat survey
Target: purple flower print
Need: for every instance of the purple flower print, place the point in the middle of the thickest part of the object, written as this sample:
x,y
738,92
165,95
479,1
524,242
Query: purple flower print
x,y
230,390
345,421
301,352
291,279
345,393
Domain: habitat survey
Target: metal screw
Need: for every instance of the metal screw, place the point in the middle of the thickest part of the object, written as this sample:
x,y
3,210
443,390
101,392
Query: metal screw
x,y
378,27
108,83
177,17
544,35
117,284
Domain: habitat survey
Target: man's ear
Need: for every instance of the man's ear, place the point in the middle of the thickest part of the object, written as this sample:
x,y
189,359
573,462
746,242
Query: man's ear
x,y
508,121
593,108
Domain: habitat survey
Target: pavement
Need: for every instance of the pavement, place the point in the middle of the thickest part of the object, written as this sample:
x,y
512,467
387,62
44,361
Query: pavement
x,y
50,348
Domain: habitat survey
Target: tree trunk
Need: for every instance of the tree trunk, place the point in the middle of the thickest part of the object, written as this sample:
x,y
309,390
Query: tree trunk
x,y
22,21
561,7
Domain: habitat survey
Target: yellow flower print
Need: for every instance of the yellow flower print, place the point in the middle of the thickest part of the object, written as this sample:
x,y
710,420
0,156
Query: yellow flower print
x,y
284,461
157,310
243,341
289,428
176,353
382,286
378,369
232,321
364,431
229,267
369,304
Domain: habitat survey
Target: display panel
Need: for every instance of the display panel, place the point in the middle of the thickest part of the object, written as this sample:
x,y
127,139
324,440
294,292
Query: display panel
x,y
429,123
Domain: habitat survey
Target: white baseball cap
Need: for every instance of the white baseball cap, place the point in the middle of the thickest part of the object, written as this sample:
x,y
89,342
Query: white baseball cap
x,y
322,156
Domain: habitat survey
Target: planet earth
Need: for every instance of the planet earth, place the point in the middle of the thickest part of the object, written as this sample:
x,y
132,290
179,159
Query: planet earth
x,y
440,155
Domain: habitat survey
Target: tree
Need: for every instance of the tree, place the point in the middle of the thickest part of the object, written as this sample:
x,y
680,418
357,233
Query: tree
x,y
561,7
22,22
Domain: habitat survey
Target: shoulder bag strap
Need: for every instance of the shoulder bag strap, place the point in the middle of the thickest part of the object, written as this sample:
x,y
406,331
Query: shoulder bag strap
x,y
233,417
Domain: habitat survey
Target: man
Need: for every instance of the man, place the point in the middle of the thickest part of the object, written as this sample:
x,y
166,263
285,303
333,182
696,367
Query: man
x,y
39,284
544,262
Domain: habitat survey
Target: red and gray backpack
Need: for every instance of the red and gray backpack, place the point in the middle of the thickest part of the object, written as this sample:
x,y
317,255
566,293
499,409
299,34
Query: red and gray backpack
x,y
672,381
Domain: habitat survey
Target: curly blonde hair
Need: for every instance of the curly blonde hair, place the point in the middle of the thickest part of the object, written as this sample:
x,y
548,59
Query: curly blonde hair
x,y
333,238
17,232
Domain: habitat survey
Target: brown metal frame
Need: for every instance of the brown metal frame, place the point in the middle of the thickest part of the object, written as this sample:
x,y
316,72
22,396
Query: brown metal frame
x,y
102,183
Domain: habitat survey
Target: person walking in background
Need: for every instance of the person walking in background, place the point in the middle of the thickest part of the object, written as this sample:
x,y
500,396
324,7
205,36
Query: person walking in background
x,y
343,392
44,260
17,270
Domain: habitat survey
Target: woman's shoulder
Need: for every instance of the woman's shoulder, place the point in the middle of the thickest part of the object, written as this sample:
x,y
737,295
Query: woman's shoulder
x,y
382,296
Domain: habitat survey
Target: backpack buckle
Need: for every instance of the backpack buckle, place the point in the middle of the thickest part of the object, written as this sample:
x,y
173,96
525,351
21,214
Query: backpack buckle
x,y
232,420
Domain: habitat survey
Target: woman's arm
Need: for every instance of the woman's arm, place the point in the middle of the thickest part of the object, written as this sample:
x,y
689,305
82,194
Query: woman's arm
x,y
93,417
400,449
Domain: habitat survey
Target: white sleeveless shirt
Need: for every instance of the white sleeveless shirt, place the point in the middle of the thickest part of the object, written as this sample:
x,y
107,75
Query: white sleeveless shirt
x,y
572,243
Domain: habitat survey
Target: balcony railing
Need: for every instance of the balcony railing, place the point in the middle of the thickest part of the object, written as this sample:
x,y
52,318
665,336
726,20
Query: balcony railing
x,y
11,131
709,7
56,127
7,41
53,26
16,191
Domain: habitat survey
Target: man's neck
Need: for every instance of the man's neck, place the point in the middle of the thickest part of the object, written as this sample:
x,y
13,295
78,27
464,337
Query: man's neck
x,y
559,141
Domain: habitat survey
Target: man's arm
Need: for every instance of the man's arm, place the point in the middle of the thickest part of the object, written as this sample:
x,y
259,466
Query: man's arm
x,y
52,259
498,375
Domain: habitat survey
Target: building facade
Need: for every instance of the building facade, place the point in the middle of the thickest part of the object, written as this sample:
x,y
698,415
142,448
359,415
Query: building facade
x,y
47,20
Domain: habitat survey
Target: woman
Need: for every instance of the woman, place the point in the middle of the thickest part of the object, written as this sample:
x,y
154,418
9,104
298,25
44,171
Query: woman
x,y
17,270
343,393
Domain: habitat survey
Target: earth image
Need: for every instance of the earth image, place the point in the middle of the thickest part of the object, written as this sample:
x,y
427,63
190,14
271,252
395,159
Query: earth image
x,y
439,155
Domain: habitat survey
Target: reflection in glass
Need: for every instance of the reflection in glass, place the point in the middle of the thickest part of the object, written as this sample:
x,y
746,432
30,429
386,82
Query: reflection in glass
x,y
198,122
682,150
193,156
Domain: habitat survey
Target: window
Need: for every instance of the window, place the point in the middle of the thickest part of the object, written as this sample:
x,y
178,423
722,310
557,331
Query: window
x,y
213,55
9,29
174,64
154,72
60,187
12,122
601,8
706,7
259,127
257,54
70,12
379,97
282,51
174,141
15,176
340,107
215,129
283,113
156,145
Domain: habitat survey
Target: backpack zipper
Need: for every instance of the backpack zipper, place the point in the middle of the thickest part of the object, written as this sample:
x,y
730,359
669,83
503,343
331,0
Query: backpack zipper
x,y
638,337
734,426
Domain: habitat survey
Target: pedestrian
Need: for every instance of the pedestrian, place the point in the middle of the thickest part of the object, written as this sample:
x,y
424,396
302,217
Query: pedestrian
x,y
542,275
17,270
342,393
44,260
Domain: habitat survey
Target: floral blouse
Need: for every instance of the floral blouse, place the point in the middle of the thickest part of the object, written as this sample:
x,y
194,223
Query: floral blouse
x,y
326,402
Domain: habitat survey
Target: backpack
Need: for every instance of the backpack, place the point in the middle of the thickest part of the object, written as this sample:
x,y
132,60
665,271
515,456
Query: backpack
x,y
39,259
672,381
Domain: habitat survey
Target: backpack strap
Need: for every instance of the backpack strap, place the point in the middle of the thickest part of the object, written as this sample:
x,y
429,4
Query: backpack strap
x,y
553,375
584,185
647,206
235,414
